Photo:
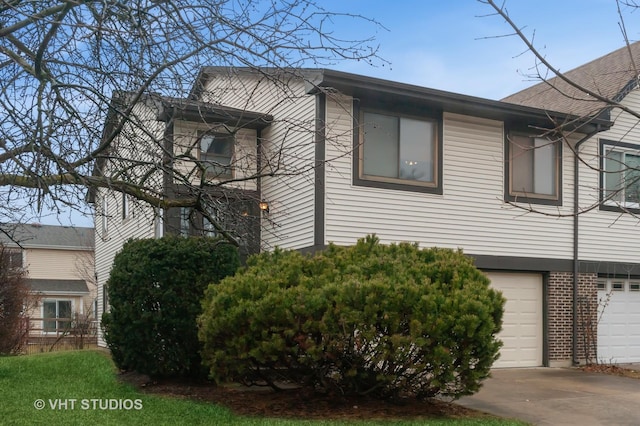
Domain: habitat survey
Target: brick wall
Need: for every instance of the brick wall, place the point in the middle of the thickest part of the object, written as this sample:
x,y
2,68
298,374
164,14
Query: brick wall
x,y
560,315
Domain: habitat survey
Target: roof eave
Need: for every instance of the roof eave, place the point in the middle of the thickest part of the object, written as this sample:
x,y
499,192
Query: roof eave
x,y
358,85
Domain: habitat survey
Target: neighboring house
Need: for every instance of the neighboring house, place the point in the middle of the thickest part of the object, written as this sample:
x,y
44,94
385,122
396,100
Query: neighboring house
x,y
608,178
59,266
415,164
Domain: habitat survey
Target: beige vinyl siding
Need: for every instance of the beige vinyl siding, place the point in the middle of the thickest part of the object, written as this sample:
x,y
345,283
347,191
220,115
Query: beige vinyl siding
x,y
606,235
471,213
288,146
58,264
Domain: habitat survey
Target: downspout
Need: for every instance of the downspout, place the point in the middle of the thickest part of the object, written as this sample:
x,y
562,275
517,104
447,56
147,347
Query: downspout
x,y
576,265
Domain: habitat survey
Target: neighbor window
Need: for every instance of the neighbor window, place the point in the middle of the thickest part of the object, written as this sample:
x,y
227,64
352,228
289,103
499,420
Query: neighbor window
x,y
533,169
216,151
621,175
56,315
398,151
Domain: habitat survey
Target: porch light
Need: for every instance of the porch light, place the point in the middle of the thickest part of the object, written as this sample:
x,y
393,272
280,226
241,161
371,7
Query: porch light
x,y
264,206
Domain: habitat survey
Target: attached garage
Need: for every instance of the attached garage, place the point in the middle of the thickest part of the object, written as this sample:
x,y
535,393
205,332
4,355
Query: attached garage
x,y
522,329
619,325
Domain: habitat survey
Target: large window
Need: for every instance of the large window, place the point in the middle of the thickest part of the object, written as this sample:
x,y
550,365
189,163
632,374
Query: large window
x,y
398,151
621,175
216,152
56,315
533,169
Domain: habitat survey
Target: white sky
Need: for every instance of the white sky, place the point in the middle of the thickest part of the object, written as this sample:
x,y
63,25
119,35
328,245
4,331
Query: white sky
x,y
452,45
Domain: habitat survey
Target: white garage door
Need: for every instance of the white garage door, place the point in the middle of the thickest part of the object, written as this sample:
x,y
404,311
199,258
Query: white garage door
x,y
522,321
619,326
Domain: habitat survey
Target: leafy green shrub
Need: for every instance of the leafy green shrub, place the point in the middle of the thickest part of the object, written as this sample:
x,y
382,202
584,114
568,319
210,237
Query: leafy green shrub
x,y
384,320
155,289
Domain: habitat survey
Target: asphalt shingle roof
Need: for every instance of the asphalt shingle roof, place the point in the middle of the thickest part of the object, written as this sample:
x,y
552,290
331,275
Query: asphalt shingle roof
x,y
58,286
44,236
610,76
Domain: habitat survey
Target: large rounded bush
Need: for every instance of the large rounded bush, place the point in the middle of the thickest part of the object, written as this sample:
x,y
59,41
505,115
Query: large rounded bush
x,y
385,320
155,290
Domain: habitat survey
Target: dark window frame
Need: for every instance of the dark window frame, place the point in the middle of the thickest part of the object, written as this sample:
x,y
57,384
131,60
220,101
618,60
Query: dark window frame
x,y
412,112
520,197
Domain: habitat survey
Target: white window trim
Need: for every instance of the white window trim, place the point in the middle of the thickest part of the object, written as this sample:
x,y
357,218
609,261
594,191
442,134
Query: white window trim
x,y
57,301
605,199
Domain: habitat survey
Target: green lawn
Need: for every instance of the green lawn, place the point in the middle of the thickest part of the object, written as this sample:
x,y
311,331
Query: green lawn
x,y
80,388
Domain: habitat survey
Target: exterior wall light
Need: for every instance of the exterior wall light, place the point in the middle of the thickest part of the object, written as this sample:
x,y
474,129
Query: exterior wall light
x,y
264,206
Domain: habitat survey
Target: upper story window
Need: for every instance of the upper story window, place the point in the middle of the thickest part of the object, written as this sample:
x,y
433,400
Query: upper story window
x,y
185,221
620,174
533,172
105,216
216,152
398,152
14,258
126,208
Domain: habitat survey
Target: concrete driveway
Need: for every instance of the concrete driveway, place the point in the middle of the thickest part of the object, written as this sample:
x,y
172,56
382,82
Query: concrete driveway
x,y
559,396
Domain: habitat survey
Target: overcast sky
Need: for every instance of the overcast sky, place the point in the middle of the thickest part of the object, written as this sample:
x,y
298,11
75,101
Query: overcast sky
x,y
454,46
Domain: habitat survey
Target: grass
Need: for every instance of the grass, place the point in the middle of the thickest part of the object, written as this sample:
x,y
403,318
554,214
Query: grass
x,y
89,378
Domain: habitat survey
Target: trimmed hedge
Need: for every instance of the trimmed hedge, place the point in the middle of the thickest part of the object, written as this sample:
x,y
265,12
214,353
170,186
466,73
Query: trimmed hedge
x,y
155,289
385,320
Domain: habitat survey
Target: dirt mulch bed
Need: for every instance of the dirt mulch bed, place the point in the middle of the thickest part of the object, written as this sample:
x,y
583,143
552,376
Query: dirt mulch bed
x,y
300,403
625,371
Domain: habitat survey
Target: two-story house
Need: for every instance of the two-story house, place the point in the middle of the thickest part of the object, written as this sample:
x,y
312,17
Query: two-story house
x,y
59,268
341,156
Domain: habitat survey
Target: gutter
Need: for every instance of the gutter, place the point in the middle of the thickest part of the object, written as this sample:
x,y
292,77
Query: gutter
x,y
576,264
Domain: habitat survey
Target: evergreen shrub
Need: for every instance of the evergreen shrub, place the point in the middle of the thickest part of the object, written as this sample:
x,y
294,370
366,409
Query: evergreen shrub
x,y
383,320
155,290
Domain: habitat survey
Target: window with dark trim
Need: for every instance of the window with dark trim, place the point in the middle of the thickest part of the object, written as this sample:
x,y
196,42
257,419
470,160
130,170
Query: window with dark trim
x,y
216,152
398,151
620,175
533,168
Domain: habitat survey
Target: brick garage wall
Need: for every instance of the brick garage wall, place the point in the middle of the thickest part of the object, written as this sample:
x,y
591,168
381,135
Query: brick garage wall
x,y
560,315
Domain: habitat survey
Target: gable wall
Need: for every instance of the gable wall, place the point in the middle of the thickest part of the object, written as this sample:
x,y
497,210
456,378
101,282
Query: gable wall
x,y
140,223
288,152
470,214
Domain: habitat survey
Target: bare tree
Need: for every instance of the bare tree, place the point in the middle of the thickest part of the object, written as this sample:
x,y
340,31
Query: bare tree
x,y
15,302
596,94
68,66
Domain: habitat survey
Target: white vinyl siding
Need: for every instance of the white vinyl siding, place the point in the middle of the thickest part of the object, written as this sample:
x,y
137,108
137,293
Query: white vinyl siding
x,y
607,235
288,146
139,225
142,146
470,214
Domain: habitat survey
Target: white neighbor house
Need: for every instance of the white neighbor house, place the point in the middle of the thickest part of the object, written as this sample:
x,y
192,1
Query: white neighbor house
x,y
416,164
